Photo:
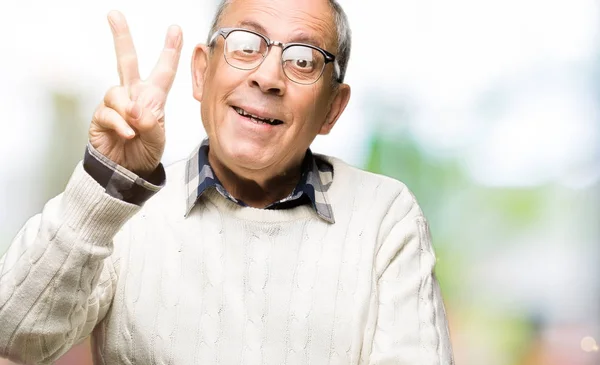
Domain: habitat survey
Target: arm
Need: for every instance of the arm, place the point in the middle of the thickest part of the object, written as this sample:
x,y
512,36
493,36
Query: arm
x,y
56,282
410,326
57,279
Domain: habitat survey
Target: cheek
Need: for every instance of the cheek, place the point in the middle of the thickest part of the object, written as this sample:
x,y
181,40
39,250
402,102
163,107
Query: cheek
x,y
216,90
312,108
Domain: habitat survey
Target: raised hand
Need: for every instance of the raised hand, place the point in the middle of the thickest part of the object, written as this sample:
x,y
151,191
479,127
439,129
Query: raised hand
x,y
128,126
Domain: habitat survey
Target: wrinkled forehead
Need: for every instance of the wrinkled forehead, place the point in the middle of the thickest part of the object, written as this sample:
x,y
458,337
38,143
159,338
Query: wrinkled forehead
x,y
305,21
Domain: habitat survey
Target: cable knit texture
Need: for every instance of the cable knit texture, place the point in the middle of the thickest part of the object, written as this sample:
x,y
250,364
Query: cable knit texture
x,y
226,284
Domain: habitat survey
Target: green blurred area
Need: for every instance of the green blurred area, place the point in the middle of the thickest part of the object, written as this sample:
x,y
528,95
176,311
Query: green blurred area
x,y
471,222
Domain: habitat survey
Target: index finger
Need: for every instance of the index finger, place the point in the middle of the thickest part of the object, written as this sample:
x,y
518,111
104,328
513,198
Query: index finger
x,y
127,63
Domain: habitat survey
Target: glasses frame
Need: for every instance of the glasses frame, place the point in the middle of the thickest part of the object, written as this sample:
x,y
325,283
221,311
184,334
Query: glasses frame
x,y
329,57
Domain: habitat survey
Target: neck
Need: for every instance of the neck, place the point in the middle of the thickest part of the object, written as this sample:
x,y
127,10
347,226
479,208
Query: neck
x,y
256,188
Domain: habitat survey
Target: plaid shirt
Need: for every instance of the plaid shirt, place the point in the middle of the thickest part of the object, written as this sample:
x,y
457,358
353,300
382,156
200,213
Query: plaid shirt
x,y
317,175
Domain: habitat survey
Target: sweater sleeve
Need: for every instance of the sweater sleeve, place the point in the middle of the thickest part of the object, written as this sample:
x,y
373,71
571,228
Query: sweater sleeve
x,y
410,326
57,279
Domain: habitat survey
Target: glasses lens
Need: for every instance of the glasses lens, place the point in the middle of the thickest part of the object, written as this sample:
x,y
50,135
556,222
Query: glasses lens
x,y
244,50
303,64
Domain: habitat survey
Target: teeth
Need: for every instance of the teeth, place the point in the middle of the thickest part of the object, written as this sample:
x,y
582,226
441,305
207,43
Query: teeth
x,y
255,117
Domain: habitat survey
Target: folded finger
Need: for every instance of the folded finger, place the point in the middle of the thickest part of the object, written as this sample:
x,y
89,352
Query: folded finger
x,y
118,99
110,119
142,119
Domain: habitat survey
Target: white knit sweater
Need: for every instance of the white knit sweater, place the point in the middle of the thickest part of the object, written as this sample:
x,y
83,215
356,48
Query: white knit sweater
x,y
226,284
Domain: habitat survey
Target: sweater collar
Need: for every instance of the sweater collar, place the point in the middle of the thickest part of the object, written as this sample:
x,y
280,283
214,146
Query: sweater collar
x,y
317,176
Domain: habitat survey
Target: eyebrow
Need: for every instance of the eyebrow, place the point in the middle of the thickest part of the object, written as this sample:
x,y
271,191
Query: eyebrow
x,y
252,25
301,37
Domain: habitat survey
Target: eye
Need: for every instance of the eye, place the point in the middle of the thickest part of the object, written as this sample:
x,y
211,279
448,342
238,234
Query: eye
x,y
248,49
302,63
244,44
301,59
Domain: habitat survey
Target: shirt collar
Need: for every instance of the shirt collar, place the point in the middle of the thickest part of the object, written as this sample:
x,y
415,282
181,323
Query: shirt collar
x,y
317,176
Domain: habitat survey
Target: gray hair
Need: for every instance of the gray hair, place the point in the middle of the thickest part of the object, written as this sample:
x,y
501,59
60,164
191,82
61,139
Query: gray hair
x,y
344,34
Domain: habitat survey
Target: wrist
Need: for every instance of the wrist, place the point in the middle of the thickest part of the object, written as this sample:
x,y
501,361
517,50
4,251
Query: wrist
x,y
120,182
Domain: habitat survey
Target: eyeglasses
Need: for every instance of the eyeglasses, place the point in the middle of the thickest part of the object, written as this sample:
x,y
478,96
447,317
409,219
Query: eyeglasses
x,y
302,63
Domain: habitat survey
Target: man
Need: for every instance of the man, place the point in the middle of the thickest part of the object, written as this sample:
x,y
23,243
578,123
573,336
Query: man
x,y
256,251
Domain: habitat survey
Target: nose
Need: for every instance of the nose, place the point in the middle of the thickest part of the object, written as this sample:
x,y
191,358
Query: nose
x,y
269,76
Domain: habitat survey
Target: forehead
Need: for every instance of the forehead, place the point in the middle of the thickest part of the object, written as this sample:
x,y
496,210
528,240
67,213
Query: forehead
x,y
309,21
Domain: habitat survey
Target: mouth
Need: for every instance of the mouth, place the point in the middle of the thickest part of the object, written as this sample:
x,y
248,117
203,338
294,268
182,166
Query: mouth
x,y
257,119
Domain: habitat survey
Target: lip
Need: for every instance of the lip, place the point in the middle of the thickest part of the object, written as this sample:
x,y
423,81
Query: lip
x,y
259,112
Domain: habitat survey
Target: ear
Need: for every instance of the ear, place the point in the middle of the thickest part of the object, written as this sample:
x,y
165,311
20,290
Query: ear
x,y
340,100
199,67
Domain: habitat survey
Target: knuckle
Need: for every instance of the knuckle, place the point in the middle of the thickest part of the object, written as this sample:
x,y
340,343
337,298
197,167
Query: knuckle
x,y
111,94
107,117
116,99
128,57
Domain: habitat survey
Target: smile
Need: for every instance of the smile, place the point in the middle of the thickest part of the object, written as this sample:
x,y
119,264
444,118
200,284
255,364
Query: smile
x,y
256,118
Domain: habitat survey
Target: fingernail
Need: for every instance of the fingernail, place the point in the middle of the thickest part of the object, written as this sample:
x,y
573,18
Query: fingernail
x,y
129,133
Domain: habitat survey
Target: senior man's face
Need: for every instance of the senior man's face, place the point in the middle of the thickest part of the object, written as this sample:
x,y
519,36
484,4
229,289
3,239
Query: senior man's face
x,y
302,111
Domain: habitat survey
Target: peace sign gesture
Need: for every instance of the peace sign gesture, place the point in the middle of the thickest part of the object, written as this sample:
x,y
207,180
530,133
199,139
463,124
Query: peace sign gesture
x,y
128,126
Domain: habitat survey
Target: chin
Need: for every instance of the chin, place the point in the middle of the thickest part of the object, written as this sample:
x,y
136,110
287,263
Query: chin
x,y
247,154
248,146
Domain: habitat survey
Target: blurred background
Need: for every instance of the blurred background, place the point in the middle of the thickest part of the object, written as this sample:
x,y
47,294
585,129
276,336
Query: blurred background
x,y
488,110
